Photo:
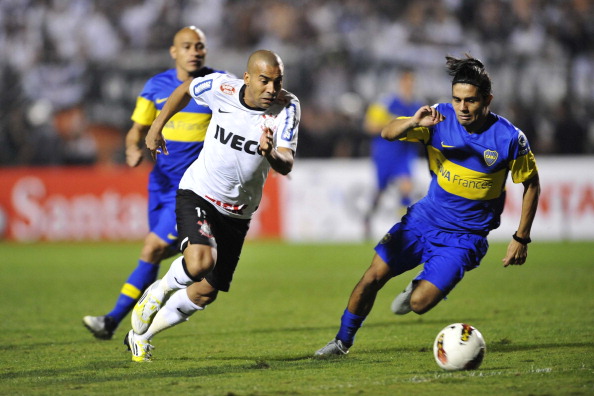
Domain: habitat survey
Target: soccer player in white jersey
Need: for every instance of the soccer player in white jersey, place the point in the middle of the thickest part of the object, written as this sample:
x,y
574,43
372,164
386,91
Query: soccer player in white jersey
x,y
253,128
185,136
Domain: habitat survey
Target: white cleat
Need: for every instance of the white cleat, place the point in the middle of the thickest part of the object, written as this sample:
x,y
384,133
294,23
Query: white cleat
x,y
334,347
401,304
141,349
147,307
102,327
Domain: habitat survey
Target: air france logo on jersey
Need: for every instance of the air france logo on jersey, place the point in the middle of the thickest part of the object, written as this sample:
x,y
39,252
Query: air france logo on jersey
x,y
490,157
204,86
227,89
523,143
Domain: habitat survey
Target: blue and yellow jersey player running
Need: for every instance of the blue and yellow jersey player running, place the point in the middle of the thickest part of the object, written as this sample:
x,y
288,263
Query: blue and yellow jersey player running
x,y
185,137
471,152
393,160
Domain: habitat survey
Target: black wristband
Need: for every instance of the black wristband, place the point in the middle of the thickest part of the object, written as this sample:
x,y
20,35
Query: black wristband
x,y
523,241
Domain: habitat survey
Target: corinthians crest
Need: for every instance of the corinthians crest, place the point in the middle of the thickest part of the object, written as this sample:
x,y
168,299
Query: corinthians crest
x,y
490,157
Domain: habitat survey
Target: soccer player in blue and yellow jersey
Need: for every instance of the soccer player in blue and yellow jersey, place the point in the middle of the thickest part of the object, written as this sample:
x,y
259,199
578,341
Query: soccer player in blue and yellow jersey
x,y
471,151
184,134
393,160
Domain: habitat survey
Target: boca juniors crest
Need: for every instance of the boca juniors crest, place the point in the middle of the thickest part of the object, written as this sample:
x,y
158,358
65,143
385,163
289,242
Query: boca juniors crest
x,y
490,157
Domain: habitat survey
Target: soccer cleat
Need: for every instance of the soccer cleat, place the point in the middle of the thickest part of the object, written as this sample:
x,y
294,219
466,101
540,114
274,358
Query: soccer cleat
x,y
401,304
102,327
147,307
334,347
141,349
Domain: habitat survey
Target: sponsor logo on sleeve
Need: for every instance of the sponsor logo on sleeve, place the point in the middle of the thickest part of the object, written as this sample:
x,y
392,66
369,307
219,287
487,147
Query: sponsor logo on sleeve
x,y
227,89
204,86
523,143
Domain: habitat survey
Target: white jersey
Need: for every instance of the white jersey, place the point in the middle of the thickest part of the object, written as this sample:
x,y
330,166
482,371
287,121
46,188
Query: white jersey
x,y
230,172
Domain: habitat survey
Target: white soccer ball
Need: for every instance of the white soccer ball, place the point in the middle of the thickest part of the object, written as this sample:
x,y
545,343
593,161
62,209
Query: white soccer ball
x,y
459,346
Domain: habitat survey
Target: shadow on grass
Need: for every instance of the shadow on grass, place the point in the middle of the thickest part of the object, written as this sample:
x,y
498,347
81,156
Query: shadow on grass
x,y
402,324
492,347
126,370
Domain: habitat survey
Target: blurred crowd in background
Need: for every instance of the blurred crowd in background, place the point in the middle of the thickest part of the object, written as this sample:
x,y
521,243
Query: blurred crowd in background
x,y
70,70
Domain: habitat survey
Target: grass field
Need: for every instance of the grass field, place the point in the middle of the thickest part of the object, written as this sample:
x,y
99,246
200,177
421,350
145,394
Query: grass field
x,y
286,302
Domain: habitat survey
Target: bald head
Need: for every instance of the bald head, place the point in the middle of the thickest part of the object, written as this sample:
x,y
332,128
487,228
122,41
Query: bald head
x,y
262,59
263,79
189,51
188,31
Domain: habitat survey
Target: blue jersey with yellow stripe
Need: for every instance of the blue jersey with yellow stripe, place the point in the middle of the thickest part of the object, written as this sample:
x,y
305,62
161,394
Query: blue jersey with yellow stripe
x,y
380,113
469,170
184,133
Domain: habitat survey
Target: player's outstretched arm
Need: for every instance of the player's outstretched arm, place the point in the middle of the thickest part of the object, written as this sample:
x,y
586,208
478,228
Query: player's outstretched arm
x,y
178,99
517,252
426,116
133,138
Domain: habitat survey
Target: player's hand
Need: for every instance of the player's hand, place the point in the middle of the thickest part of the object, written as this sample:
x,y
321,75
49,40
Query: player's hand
x,y
427,116
133,156
266,144
156,143
516,254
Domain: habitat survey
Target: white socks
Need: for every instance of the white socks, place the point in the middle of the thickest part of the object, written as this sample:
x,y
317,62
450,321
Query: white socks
x,y
176,310
176,278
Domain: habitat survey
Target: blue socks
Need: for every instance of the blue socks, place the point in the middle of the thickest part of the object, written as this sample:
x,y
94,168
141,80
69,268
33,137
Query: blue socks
x,y
349,325
141,278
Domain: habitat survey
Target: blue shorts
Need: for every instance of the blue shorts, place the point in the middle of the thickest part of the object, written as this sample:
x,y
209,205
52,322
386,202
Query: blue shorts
x,y
446,255
161,215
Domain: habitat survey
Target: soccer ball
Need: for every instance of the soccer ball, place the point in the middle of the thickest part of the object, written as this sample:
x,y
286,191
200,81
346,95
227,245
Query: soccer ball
x,y
459,346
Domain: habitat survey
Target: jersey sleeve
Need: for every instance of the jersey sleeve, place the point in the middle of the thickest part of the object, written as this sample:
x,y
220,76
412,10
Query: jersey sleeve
x,y
201,88
420,134
145,111
378,114
522,165
288,125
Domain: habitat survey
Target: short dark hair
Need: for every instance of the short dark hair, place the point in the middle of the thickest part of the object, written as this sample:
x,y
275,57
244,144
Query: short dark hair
x,y
469,71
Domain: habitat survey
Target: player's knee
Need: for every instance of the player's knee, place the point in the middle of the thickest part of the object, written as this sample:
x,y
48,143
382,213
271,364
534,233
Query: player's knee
x,y
376,275
422,302
419,305
199,260
155,249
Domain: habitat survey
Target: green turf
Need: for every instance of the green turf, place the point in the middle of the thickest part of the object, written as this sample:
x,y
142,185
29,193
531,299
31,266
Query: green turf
x,y
286,302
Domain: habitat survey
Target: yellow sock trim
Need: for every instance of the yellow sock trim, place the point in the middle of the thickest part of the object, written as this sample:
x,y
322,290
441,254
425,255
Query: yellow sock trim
x,y
131,291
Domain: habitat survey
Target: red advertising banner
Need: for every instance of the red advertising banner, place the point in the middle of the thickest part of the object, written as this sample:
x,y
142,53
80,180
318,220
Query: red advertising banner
x,y
60,204
93,203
